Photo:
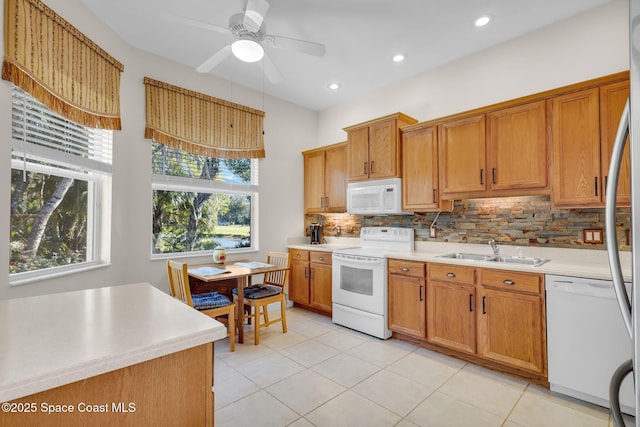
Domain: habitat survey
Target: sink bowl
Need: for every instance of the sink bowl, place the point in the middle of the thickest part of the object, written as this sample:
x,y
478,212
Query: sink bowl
x,y
469,257
534,262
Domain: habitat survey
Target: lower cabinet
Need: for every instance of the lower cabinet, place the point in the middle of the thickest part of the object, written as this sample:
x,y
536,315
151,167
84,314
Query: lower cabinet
x,y
310,279
407,298
491,317
451,315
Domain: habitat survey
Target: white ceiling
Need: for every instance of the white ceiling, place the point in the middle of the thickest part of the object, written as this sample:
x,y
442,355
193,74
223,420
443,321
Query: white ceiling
x,y
360,36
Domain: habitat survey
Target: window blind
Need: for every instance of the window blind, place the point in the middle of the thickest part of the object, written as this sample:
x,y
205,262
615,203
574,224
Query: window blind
x,y
44,136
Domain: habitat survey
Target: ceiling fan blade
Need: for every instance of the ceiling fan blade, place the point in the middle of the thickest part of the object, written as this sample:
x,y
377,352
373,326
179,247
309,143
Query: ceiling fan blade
x,y
309,48
215,60
194,23
255,13
270,70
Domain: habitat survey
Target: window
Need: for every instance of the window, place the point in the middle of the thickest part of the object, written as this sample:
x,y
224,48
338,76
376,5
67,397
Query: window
x,y
202,202
60,173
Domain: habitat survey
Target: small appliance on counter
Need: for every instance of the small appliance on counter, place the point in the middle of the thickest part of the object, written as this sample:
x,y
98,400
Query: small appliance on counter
x,y
315,231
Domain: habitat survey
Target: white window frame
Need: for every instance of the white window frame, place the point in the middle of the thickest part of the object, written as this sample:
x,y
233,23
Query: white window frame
x,y
195,185
97,174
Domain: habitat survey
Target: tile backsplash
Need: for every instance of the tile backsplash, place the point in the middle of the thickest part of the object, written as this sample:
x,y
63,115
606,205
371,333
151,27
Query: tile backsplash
x,y
520,221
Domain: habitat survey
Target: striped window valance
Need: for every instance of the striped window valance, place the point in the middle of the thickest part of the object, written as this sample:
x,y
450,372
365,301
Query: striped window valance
x,y
201,124
59,66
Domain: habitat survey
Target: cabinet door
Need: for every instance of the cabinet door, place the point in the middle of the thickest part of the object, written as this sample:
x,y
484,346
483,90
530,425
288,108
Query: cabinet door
x,y
407,305
576,149
511,329
358,154
299,282
420,170
612,100
383,150
462,153
314,167
335,179
451,315
518,147
320,287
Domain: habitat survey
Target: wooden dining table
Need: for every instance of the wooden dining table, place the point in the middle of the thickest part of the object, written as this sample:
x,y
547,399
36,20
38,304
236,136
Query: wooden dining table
x,y
242,272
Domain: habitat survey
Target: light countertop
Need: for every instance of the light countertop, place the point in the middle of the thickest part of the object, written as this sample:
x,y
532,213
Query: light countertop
x,y
51,340
591,264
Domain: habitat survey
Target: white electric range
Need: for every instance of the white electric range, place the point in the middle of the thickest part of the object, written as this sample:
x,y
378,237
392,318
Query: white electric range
x,y
359,291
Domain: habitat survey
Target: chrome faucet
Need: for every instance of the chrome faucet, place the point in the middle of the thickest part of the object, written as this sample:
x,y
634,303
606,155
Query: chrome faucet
x,y
494,248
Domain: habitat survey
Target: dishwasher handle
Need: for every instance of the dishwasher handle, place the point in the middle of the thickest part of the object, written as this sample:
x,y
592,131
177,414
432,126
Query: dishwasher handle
x,y
610,219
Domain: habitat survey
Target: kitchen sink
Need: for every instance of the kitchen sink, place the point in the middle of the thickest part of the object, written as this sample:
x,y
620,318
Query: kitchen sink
x,y
534,262
469,257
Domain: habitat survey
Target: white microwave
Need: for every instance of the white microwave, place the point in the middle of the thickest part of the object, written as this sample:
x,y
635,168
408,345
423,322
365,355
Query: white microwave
x,y
377,197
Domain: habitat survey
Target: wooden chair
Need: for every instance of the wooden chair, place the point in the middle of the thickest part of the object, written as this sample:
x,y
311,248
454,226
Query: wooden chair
x,y
179,284
273,290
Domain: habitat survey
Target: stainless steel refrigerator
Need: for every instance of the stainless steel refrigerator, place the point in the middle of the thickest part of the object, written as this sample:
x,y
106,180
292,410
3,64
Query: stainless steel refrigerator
x,y
629,303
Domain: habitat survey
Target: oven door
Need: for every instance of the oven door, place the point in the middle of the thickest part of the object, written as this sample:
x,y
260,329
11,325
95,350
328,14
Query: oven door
x,y
360,282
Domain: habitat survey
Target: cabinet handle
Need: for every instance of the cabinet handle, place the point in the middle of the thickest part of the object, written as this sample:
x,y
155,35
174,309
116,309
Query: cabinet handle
x,y
326,202
322,202
451,275
435,200
405,269
420,292
481,176
471,302
508,282
604,191
298,255
371,168
365,168
493,175
484,311
321,258
595,184
305,273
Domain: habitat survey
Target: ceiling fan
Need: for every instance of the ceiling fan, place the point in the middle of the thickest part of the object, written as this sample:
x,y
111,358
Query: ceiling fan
x,y
248,39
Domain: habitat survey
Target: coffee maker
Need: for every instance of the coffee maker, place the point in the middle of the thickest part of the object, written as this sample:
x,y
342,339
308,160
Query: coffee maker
x,y
315,231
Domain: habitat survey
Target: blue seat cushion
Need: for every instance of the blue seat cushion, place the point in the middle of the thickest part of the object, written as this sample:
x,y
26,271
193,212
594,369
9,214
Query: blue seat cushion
x,y
209,300
260,291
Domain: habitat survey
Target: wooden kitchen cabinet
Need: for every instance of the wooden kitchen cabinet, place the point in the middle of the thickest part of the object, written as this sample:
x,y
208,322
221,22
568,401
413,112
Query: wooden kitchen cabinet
x,y
373,148
407,298
511,321
517,147
420,189
320,281
325,183
501,153
451,313
584,125
310,279
462,153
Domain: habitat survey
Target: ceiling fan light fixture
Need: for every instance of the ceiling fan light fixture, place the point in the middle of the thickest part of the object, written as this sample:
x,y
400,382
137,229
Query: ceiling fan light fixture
x,y
247,50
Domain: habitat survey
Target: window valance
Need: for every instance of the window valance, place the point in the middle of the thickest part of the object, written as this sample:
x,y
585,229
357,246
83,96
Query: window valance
x,y
202,124
58,65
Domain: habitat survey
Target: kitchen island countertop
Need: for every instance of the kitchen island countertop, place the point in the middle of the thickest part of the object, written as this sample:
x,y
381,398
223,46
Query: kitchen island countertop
x,y
53,340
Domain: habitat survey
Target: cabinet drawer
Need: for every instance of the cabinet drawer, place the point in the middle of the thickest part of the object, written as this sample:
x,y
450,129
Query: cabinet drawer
x,y
406,268
299,254
320,257
451,273
511,280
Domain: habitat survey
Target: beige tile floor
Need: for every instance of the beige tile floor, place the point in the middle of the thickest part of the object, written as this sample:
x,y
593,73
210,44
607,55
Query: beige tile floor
x,y
321,374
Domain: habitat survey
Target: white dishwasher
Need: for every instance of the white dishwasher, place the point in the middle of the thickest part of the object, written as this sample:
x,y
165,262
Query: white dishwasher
x,y
586,340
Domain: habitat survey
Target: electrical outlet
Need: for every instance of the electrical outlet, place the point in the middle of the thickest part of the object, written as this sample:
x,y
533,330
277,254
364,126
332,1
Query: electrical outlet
x,y
593,235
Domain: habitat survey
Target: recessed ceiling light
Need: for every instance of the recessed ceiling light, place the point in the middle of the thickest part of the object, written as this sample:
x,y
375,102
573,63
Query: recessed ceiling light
x,y
398,58
482,21
334,86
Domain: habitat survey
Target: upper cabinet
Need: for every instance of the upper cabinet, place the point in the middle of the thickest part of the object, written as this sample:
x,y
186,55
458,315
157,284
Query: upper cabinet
x,y
420,190
325,183
373,148
503,152
584,124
